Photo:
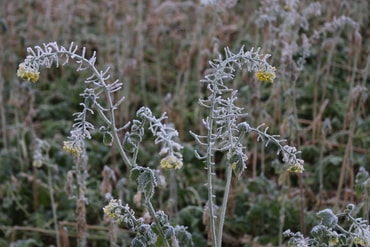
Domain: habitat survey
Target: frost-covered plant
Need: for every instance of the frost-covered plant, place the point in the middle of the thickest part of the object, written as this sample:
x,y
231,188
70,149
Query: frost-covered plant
x,y
363,190
225,128
341,229
288,25
293,36
159,232
40,158
146,233
292,31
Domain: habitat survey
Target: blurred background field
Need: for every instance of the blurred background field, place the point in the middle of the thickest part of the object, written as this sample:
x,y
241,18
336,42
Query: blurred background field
x,y
160,50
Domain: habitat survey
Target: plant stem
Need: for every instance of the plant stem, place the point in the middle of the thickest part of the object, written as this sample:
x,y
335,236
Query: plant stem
x,y
2,114
282,201
140,49
173,194
229,172
53,206
210,163
158,224
81,176
112,122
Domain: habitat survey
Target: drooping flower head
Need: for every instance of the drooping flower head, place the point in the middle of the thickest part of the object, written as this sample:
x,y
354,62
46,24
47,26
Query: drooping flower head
x,y
170,162
72,148
266,75
296,168
28,73
113,209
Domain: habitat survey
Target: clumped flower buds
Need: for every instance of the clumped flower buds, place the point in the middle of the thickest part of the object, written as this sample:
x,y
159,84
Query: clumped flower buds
x,y
297,167
28,73
265,76
171,162
69,147
37,163
112,210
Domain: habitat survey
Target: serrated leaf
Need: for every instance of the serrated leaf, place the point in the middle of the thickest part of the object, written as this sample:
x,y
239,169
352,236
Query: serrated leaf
x,y
328,218
145,179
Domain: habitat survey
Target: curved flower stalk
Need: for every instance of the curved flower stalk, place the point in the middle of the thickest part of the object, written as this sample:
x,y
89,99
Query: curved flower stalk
x,y
292,163
50,54
164,134
224,132
98,82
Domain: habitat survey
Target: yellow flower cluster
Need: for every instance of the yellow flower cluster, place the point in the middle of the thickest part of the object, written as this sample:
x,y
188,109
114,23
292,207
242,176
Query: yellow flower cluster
x,y
296,168
171,162
361,241
37,163
287,7
233,165
27,73
333,241
112,210
265,75
71,148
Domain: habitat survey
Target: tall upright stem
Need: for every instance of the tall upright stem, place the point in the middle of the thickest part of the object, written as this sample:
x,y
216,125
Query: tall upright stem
x,y
229,172
210,164
81,176
53,206
159,227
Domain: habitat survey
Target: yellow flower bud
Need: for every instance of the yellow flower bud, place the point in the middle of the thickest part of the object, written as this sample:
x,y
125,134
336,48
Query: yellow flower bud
x,y
296,168
171,162
27,73
71,148
265,76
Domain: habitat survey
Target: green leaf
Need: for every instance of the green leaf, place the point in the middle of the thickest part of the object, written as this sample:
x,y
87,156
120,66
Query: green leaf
x,y
107,139
328,218
128,144
183,236
145,179
237,163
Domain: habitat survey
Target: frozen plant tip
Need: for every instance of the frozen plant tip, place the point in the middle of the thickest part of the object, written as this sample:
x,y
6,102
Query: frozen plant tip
x,y
171,162
296,168
112,210
27,72
70,147
266,76
99,83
